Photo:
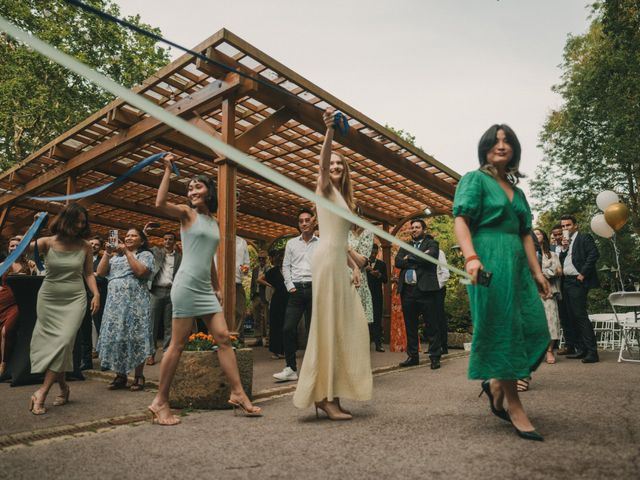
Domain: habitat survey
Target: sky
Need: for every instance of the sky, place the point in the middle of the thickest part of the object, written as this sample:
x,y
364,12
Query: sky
x,y
443,70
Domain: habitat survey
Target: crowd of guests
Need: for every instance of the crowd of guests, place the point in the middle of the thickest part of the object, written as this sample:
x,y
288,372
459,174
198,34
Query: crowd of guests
x,y
132,293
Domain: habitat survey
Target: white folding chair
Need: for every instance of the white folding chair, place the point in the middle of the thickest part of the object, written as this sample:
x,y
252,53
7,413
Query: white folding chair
x,y
605,327
629,322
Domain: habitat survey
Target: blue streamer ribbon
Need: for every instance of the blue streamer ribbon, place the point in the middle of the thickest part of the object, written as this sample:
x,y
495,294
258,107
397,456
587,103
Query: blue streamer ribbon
x,y
340,123
24,243
121,179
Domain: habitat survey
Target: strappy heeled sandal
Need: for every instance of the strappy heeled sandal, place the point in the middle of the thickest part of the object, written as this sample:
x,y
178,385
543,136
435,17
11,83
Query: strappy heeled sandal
x,y
35,407
63,398
119,382
167,421
247,412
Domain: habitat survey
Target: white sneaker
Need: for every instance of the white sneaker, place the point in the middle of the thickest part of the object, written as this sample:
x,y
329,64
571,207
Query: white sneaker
x,y
286,375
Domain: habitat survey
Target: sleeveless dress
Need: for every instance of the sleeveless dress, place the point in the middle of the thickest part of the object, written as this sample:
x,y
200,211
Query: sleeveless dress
x,y
62,304
337,361
126,331
191,293
363,244
510,334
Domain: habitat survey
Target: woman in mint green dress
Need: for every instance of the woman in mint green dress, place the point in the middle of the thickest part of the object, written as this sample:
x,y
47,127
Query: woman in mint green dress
x,y
493,225
195,292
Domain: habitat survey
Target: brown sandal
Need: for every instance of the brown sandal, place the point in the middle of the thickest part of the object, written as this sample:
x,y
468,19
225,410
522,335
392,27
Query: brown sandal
x,y
136,386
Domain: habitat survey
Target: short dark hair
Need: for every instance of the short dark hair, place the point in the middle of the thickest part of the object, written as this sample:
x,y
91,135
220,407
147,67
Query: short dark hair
x,y
170,233
97,237
145,241
211,200
490,138
557,226
304,210
569,217
65,221
420,221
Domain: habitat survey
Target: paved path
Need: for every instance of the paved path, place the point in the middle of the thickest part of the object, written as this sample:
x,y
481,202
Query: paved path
x,y
420,424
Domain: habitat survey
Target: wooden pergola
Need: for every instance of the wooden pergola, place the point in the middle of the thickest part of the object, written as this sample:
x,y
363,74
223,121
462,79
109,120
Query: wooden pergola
x,y
393,180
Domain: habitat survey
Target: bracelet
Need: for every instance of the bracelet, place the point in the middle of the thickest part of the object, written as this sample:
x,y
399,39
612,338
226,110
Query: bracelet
x,y
470,258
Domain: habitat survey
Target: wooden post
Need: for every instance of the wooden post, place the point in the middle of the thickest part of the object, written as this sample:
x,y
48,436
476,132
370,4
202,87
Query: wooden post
x,y
386,312
72,183
227,172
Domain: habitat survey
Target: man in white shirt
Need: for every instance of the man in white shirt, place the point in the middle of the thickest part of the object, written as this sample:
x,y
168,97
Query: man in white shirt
x,y
166,263
296,270
242,269
443,277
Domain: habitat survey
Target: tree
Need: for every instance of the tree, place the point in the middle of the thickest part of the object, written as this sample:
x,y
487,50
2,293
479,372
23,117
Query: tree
x,y
39,99
591,143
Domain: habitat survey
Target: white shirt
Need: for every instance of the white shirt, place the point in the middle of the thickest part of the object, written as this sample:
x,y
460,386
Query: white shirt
x,y
568,269
242,258
164,277
443,273
296,265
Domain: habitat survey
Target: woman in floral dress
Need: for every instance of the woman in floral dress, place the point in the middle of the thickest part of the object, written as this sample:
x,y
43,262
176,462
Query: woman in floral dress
x,y
125,335
360,243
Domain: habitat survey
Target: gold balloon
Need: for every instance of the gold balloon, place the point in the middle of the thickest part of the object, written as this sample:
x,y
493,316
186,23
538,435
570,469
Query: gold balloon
x,y
616,215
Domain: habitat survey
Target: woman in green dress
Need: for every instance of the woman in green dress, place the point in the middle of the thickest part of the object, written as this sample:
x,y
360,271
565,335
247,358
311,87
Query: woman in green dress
x,y
493,225
62,301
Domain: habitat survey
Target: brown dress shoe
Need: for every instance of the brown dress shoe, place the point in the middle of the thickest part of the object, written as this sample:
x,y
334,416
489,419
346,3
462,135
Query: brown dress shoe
x,y
566,351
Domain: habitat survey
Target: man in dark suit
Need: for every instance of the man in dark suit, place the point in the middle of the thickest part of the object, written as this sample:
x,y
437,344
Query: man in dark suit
x,y
376,277
418,287
578,257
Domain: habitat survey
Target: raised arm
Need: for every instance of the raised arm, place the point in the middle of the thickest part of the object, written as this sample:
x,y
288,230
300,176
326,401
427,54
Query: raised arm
x,y
324,182
103,266
180,212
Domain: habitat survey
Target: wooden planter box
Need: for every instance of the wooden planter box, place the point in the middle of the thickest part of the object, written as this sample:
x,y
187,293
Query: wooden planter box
x,y
457,340
200,383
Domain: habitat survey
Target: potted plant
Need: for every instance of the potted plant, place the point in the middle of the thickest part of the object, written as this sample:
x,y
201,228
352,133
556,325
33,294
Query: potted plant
x,y
199,381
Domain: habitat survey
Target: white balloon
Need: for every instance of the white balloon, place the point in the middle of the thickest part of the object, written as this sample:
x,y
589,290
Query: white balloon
x,y
600,226
606,198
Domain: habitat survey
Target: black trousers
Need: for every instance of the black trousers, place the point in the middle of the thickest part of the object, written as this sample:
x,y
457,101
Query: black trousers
x,y
574,298
375,328
299,304
83,345
443,324
414,304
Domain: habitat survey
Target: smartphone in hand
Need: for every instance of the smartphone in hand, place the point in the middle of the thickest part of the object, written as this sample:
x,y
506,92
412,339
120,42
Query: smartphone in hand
x,y
113,239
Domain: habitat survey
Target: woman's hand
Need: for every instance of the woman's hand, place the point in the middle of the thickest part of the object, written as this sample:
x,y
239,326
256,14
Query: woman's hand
x,y
167,159
472,268
218,295
108,249
543,285
356,278
328,117
120,248
95,304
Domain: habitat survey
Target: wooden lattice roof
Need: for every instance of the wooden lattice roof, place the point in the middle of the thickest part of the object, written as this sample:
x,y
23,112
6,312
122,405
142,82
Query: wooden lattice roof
x,y
392,178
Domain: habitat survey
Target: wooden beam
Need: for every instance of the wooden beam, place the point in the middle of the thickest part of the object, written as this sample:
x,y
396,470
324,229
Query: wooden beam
x,y
120,118
227,174
311,116
146,129
4,214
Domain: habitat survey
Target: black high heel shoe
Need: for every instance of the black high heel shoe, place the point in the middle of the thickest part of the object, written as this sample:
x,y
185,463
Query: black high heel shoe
x,y
532,435
501,414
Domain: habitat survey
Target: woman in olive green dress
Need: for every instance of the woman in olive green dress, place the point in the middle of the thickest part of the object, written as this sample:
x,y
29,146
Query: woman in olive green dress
x,y
62,301
493,225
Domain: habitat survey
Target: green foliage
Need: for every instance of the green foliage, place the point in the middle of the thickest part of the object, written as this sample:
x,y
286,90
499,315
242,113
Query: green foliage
x,y
39,100
591,143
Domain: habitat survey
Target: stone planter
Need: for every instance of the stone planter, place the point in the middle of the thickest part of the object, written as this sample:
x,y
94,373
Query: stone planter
x,y
200,383
457,340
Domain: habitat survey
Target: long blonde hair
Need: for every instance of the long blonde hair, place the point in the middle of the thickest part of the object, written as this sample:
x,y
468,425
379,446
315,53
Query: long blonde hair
x,y
346,187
